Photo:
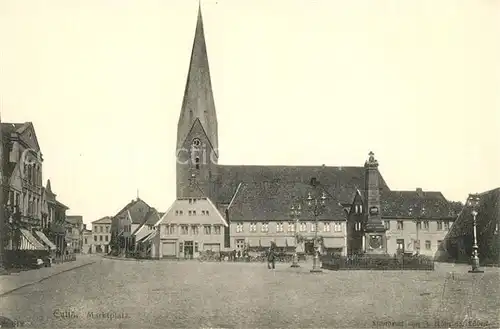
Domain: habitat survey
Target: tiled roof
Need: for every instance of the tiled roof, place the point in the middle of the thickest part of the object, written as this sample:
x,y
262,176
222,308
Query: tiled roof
x,y
340,182
103,220
152,217
408,204
271,201
9,128
137,209
75,219
488,215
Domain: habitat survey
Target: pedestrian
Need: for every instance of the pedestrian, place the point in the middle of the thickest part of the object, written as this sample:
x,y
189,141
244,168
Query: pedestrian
x,y
271,257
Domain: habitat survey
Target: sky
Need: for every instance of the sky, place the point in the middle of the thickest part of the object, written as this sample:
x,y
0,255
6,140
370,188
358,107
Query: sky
x,y
296,82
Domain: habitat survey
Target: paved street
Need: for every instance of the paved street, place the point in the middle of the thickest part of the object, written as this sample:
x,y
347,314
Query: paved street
x,y
190,294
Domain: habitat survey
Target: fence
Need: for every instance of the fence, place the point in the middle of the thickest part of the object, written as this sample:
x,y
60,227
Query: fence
x,y
414,263
251,257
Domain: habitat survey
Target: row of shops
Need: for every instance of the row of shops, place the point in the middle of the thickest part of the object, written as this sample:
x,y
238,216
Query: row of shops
x,y
29,248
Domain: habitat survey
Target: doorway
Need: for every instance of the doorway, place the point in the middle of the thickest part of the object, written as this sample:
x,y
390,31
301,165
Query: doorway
x,y
309,247
188,249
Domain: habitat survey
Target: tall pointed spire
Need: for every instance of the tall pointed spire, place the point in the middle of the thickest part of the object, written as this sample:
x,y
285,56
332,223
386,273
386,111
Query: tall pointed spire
x,y
198,102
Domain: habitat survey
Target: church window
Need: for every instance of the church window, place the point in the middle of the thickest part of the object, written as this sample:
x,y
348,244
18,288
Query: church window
x,y
264,227
279,227
196,142
239,227
253,227
326,227
197,163
360,208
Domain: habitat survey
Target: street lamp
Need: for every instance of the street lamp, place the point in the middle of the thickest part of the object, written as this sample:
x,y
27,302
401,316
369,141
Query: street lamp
x,y
473,202
317,206
295,214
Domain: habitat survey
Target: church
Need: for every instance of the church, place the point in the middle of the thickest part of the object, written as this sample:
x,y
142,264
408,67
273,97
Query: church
x,y
254,202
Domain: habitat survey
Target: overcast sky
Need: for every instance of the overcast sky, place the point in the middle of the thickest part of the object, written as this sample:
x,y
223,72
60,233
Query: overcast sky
x,y
296,82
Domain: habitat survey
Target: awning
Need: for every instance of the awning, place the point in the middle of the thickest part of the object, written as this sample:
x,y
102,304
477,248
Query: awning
x,y
147,237
266,242
334,242
46,240
290,242
281,242
29,242
253,242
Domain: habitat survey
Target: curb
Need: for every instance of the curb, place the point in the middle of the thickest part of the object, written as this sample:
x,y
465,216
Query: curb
x,y
43,279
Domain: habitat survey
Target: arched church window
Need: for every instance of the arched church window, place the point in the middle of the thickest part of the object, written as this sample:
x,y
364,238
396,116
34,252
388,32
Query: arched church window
x,y
197,162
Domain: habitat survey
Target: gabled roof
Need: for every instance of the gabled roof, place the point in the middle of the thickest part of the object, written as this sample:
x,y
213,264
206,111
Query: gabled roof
x,y
18,129
200,206
408,204
138,210
198,101
103,220
339,182
488,216
75,219
271,201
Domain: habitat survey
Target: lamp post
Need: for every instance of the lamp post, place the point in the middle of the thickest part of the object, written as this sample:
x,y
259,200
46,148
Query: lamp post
x,y
473,202
317,205
295,212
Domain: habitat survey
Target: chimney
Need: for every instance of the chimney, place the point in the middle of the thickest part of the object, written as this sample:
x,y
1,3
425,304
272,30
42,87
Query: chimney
x,y
420,193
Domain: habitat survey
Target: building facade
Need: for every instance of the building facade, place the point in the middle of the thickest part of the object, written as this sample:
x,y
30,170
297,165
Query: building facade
x,y
256,200
87,240
189,227
457,245
55,224
101,232
23,194
132,223
76,229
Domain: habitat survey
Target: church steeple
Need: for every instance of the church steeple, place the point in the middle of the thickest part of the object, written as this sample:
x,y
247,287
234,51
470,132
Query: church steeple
x,y
197,141
198,102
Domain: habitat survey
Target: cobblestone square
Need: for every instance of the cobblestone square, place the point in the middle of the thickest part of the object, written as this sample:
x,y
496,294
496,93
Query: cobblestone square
x,y
192,294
